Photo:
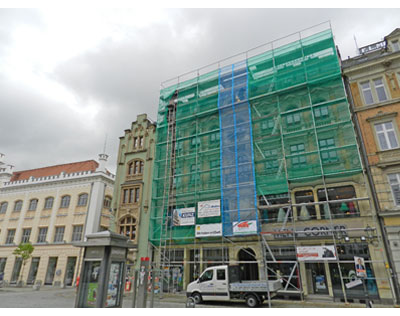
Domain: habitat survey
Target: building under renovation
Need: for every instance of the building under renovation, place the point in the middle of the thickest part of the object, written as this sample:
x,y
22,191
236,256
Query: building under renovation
x,y
257,164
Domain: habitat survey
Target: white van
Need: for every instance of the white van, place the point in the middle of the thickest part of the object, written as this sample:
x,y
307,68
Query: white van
x,y
222,283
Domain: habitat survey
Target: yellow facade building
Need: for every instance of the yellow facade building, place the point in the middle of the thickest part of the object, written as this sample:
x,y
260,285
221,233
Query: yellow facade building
x,y
51,207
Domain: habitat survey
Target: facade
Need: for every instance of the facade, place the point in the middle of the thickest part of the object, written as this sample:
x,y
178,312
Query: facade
x,y
52,207
373,79
257,164
132,192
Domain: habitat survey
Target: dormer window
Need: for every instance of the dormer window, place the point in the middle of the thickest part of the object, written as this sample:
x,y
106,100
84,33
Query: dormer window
x,y
395,46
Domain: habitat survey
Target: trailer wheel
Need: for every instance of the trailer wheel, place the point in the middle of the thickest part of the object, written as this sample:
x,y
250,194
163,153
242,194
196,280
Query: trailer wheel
x,y
197,298
252,300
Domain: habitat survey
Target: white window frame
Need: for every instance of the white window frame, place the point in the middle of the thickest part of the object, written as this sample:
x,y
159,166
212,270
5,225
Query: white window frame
x,y
59,234
397,178
77,232
385,133
382,85
10,236
48,203
33,204
395,45
26,235
372,88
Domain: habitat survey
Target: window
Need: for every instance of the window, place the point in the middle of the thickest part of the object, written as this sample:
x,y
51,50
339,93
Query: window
x,y
141,141
10,236
380,90
42,235
371,96
321,112
338,209
206,276
299,161
386,135
394,181
138,167
220,274
48,203
214,137
328,156
293,118
26,235
107,202
267,124
305,212
130,168
59,234
17,206
135,142
367,93
214,164
3,207
131,195
2,264
82,199
396,46
77,233
65,201
195,141
127,227
194,174
33,205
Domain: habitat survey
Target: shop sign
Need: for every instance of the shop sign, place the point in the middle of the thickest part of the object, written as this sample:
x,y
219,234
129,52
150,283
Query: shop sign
x,y
244,228
208,208
209,230
316,253
309,231
184,216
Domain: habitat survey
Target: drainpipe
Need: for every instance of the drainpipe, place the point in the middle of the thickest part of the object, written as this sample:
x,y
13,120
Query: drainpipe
x,y
373,191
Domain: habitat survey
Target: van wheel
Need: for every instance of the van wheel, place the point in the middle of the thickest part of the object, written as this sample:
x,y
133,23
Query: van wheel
x,y
197,298
252,301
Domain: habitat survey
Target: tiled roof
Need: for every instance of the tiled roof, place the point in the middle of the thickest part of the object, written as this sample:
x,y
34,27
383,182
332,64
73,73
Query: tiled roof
x,y
89,165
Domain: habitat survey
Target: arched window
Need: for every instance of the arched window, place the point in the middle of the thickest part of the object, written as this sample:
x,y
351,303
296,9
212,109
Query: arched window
x,y
135,167
18,206
48,203
65,201
82,199
3,207
33,205
127,227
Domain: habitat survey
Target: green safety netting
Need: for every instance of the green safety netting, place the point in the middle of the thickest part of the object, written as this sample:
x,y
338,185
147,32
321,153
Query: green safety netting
x,y
301,130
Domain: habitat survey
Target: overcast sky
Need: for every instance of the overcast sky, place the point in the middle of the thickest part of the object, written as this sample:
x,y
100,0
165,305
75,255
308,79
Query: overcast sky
x,y
70,77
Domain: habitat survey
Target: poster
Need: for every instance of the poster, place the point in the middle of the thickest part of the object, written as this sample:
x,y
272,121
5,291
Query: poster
x,y
208,208
113,283
244,228
209,230
92,294
320,282
93,269
316,253
184,216
360,267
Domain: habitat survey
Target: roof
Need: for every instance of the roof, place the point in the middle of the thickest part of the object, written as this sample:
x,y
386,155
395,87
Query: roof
x,y
89,165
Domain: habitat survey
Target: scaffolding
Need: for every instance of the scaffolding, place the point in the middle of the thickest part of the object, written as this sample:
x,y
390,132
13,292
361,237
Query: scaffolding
x,y
269,134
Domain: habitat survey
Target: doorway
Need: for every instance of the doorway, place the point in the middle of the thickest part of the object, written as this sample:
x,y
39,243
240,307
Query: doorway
x,y
33,270
248,269
70,271
316,278
51,270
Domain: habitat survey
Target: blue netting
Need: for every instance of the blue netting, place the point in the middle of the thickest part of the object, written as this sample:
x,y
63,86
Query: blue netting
x,y
237,168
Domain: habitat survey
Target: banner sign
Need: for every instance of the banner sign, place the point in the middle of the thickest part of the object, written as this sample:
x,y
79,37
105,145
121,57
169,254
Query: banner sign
x,y
209,230
361,272
316,253
184,216
245,228
353,283
208,208
309,231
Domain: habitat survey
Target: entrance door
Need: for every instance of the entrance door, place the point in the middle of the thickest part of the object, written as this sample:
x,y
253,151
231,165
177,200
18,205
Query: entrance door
x,y
69,273
248,270
16,270
33,270
316,271
51,270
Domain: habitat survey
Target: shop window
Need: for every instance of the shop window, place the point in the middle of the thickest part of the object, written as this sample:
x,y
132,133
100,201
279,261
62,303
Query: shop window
x,y
3,262
386,135
305,212
272,215
339,209
347,253
394,181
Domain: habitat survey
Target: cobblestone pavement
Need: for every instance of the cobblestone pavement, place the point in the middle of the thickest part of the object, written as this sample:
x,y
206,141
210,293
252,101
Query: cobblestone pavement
x,y
49,297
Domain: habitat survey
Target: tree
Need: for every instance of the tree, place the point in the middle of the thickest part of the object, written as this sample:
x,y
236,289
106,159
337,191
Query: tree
x,y
23,251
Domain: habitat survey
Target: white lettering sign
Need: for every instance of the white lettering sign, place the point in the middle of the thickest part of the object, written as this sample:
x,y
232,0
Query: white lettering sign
x,y
209,230
208,208
316,253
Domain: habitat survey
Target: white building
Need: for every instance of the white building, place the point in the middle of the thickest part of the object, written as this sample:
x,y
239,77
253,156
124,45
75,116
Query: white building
x,y
52,207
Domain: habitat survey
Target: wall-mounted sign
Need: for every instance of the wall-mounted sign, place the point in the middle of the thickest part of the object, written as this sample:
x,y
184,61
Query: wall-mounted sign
x,y
309,231
184,216
244,228
208,208
209,230
316,253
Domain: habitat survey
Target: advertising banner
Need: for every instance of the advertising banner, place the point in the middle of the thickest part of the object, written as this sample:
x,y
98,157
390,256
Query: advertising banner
x,y
244,228
316,253
209,230
184,216
360,267
208,208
